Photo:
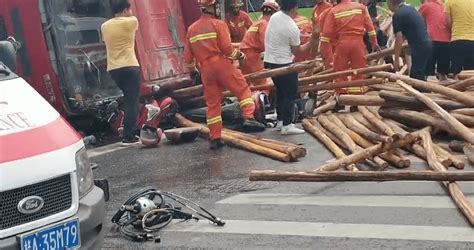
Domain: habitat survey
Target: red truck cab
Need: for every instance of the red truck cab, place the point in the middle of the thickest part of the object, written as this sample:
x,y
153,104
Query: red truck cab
x,y
64,59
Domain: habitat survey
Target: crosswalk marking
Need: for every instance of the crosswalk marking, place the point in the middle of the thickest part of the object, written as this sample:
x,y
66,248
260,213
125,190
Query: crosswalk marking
x,y
351,201
340,230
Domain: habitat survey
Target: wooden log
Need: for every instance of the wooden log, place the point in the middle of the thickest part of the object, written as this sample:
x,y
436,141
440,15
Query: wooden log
x,y
457,146
463,84
294,151
173,84
359,128
238,143
360,100
409,101
377,122
331,76
297,67
454,124
415,148
316,130
469,152
330,105
361,119
465,111
326,71
194,91
466,74
457,195
381,160
414,119
388,87
373,176
339,132
427,86
335,85
368,153
383,53
456,161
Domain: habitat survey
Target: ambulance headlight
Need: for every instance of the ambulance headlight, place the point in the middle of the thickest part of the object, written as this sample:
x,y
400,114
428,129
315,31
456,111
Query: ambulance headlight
x,y
85,178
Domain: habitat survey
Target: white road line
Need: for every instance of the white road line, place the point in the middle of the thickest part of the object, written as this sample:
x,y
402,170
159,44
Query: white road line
x,y
350,201
342,230
106,149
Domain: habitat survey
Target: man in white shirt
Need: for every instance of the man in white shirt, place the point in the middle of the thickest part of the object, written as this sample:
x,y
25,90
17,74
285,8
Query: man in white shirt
x,y
282,42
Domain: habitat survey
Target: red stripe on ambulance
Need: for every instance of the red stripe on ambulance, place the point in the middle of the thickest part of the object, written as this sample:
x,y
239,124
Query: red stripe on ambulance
x,y
53,136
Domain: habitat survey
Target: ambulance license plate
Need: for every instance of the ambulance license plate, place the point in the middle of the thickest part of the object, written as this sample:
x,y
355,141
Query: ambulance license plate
x,y
60,237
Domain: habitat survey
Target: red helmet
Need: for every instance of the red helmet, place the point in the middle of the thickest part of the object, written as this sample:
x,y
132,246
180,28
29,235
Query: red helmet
x,y
206,3
270,5
236,3
150,137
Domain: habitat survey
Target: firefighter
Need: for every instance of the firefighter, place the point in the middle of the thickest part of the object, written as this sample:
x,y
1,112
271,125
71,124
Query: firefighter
x,y
319,8
238,21
253,44
348,21
306,29
208,47
327,52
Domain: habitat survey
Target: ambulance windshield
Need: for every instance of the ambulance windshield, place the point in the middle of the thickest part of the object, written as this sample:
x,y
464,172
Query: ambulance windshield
x,y
80,50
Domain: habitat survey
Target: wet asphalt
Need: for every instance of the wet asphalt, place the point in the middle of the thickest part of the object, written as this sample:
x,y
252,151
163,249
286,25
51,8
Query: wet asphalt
x,y
207,177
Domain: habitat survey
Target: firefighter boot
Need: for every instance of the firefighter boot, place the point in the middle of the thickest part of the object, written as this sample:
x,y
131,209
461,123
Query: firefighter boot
x,y
251,125
216,144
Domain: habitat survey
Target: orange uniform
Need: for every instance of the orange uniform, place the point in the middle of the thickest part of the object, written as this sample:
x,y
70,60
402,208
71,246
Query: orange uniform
x,y
253,45
327,52
317,11
238,25
347,22
209,46
306,29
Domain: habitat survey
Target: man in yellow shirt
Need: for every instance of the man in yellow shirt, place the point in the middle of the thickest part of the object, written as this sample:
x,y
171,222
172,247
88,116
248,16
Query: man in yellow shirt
x,y
460,15
119,36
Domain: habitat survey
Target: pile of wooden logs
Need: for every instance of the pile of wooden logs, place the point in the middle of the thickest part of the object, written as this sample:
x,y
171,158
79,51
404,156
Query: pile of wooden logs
x,y
398,117
278,150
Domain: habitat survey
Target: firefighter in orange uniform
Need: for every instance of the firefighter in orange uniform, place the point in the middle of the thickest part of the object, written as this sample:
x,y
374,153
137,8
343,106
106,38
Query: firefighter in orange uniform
x,y
208,47
327,52
306,30
238,21
319,8
348,21
253,44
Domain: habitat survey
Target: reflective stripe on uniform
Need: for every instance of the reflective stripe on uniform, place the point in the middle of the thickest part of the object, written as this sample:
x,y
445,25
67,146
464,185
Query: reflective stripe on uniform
x,y
353,90
232,24
214,120
206,36
234,54
253,29
246,102
325,39
348,13
241,24
372,33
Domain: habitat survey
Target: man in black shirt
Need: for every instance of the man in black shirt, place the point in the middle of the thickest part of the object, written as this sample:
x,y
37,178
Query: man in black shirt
x,y
407,22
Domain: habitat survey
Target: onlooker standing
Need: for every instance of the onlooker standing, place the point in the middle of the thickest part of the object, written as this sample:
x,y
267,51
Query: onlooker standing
x,y
460,16
119,36
435,18
408,22
282,40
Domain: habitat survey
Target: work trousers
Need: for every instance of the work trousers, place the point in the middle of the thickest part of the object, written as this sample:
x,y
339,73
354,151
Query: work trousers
x,y
128,80
420,54
286,88
252,64
218,74
440,60
462,52
350,53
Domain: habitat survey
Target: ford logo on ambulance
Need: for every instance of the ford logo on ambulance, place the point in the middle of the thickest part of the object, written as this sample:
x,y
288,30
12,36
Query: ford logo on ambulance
x,y
30,205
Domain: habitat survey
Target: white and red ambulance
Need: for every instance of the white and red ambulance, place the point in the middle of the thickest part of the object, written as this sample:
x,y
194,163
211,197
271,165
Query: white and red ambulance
x,y
48,199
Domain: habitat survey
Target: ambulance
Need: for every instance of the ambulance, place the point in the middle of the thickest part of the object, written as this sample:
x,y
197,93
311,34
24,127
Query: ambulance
x,y
48,199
